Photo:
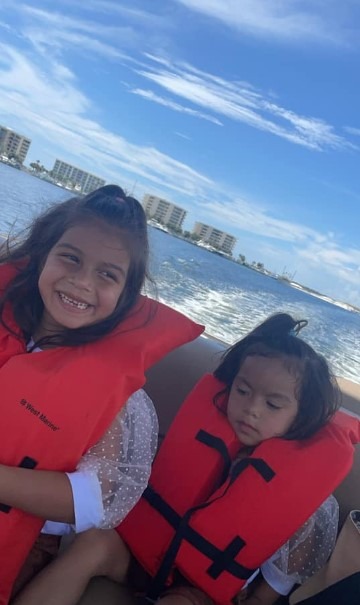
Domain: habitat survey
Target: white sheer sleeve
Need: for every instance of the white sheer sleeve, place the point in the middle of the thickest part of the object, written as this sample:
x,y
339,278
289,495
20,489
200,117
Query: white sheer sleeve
x,y
121,460
306,552
113,474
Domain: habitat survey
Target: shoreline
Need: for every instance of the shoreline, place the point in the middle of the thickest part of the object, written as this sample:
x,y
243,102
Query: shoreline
x,y
292,284
324,297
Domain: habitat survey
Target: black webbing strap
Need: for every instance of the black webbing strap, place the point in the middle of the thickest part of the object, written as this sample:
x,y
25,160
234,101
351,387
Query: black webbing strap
x,y
258,464
158,502
158,583
221,560
217,444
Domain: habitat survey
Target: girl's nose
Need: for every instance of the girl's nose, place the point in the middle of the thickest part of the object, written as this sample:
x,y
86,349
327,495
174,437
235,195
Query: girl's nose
x,y
254,407
82,279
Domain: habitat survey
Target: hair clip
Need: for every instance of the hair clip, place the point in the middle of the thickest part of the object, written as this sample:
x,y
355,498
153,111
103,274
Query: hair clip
x,y
298,326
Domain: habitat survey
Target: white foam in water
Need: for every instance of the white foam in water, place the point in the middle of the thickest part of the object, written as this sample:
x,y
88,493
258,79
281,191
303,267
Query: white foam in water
x,y
229,311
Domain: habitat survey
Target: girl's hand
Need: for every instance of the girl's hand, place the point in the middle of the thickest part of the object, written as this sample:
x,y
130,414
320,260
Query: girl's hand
x,y
262,594
242,596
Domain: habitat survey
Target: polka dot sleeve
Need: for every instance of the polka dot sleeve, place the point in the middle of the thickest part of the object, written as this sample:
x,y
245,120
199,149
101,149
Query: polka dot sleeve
x,y
121,460
306,552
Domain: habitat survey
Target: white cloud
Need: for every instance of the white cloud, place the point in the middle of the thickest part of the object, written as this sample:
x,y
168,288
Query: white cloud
x,y
62,31
252,217
41,40
286,20
151,96
241,102
5,26
47,103
58,31
182,135
338,268
55,32
351,130
331,255
143,17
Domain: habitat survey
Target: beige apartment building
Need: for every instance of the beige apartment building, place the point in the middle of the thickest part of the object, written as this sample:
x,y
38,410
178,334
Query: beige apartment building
x,y
13,144
163,211
84,181
214,237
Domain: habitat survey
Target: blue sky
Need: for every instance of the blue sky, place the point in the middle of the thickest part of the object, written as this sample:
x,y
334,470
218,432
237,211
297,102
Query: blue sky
x,y
244,112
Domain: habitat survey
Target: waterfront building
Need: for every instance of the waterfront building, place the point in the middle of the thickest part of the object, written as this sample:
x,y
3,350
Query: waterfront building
x,y
214,237
13,144
77,178
163,211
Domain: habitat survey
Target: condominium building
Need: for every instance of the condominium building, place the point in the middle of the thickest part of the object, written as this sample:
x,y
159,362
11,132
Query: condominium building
x,y
13,144
214,237
163,211
84,181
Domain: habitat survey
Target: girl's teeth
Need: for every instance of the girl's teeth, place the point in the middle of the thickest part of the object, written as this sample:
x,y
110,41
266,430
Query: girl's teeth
x,y
73,303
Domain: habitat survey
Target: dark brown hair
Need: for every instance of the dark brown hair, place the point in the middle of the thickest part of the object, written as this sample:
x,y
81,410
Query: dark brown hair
x,y
317,390
108,204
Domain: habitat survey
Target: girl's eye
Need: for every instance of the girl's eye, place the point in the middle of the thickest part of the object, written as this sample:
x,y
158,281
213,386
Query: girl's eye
x,y
70,257
273,406
242,392
109,275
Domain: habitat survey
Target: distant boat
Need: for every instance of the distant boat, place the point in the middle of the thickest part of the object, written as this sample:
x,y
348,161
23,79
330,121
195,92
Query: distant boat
x,y
157,225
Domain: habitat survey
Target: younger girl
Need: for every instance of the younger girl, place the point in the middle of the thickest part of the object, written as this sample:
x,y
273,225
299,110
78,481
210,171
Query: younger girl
x,y
70,296
242,481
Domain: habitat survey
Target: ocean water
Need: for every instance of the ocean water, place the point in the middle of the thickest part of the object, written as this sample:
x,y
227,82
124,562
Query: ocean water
x,y
228,298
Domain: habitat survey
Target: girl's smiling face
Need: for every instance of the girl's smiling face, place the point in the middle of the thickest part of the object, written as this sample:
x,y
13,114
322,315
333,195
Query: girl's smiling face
x,y
83,277
262,402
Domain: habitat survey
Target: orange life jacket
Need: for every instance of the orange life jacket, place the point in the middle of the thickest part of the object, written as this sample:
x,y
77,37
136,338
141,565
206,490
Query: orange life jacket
x,y
217,527
57,403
